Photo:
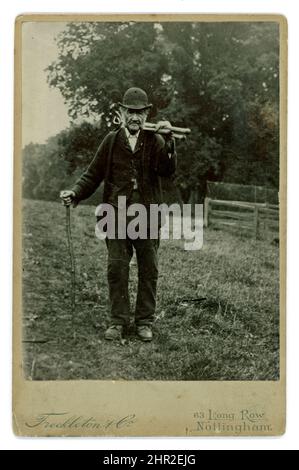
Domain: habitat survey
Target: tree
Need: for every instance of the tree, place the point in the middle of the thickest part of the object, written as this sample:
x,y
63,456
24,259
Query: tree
x,y
30,159
51,167
220,79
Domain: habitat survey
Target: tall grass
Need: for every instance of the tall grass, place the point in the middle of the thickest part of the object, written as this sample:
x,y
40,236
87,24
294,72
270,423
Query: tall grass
x,y
217,312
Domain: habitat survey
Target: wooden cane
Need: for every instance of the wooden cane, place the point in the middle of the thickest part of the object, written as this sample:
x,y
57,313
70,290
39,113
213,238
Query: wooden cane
x,y
72,263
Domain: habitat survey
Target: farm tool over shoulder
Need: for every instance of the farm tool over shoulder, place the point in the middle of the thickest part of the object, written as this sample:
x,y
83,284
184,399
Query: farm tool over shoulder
x,y
177,132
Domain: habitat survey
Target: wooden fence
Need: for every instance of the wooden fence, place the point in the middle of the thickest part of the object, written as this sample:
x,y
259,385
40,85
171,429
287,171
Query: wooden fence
x,y
257,219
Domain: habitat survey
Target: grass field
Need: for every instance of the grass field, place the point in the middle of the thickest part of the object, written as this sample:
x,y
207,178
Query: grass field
x,y
231,335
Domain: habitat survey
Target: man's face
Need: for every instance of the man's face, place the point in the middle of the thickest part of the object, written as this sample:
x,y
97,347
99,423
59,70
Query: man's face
x,y
134,119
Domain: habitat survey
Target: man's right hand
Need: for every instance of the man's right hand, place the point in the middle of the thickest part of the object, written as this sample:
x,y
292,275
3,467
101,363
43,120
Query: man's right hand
x,y
68,197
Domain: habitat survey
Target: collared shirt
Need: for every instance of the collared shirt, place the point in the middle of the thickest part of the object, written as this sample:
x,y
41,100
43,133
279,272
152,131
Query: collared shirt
x,y
132,139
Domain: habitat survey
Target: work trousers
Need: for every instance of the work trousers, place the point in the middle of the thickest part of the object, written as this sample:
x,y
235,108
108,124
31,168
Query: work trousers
x,y
120,253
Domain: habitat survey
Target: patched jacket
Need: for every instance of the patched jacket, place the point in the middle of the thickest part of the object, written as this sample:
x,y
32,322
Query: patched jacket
x,y
121,169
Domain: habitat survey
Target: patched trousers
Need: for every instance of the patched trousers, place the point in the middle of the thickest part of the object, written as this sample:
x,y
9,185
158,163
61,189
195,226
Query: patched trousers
x,y
120,253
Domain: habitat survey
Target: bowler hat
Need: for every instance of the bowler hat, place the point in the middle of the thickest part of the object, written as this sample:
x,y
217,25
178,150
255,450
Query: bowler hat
x,y
135,98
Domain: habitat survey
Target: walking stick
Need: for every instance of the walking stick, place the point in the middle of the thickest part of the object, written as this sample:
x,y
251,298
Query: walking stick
x,y
73,265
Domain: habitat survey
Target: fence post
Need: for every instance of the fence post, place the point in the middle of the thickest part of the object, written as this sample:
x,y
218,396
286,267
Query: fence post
x,y
256,221
206,211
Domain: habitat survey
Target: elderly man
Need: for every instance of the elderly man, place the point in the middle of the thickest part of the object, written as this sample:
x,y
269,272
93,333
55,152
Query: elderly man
x,y
131,162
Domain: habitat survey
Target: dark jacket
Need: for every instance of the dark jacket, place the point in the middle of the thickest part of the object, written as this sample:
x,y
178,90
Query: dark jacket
x,y
116,165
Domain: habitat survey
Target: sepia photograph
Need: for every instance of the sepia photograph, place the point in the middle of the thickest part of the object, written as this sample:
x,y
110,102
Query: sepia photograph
x,y
184,114
149,225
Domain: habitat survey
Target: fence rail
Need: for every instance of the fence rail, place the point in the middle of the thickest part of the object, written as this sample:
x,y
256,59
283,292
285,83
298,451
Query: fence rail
x,y
256,218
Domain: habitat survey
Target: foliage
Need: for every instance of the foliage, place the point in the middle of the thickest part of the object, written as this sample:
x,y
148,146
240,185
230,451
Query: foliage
x,y
54,166
219,79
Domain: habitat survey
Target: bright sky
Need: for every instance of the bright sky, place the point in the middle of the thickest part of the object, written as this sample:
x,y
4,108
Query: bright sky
x,y
43,110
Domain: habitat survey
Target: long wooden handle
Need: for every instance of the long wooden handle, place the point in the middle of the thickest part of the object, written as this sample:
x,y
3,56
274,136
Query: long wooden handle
x,y
148,126
177,132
